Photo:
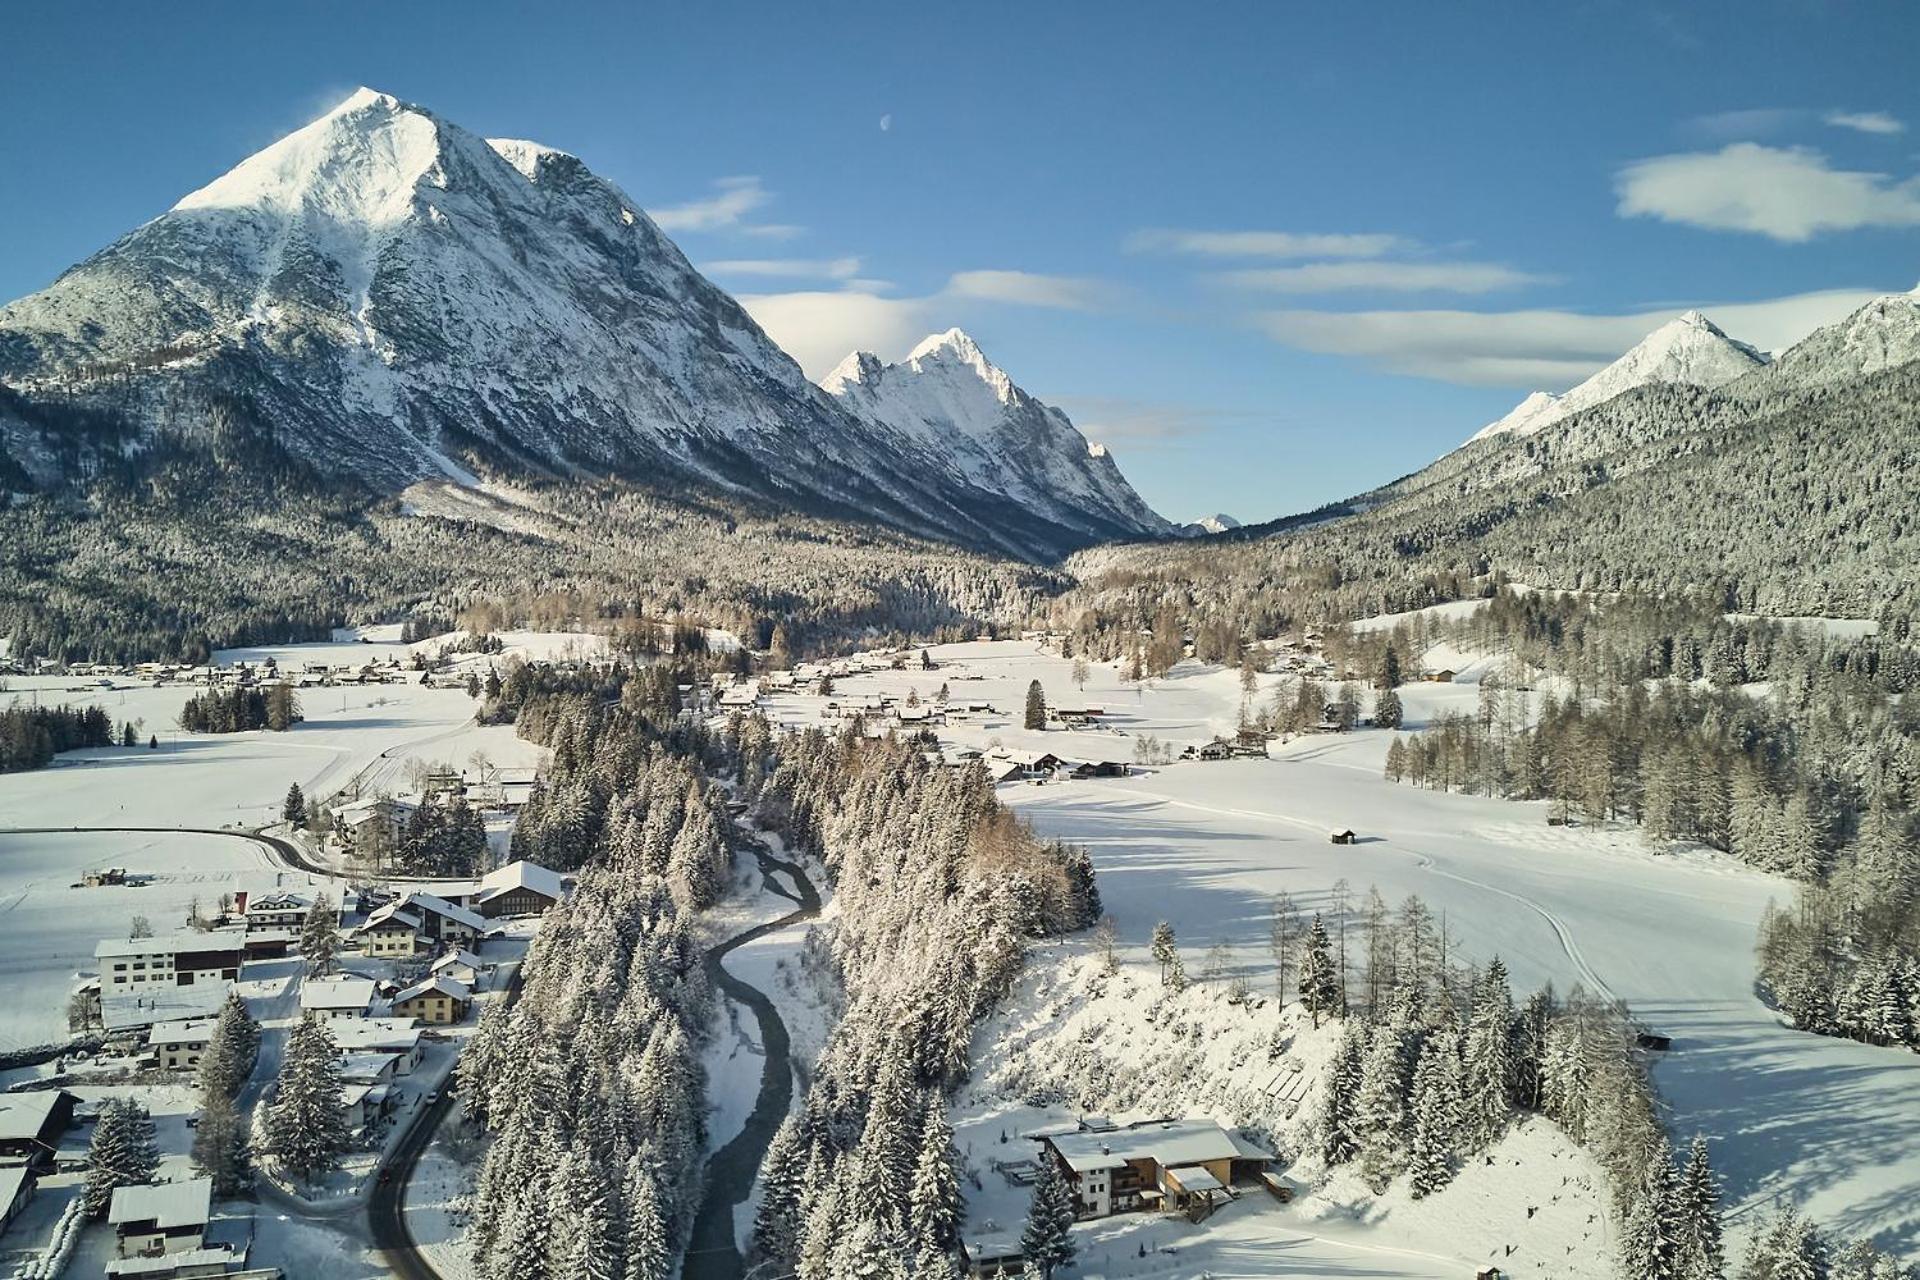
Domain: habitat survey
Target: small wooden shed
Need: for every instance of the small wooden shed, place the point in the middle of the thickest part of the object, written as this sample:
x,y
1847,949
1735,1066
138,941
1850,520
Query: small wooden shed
x,y
1343,836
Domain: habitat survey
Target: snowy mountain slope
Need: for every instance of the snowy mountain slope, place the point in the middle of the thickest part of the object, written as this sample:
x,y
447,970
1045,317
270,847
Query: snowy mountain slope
x,y
1884,334
1690,349
963,413
396,298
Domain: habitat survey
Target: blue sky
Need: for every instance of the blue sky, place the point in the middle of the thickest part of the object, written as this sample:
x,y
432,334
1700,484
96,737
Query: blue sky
x,y
1272,254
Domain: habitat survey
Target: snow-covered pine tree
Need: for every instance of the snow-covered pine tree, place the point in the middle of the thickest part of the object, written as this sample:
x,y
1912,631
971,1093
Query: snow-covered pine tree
x,y
1048,1237
1339,1139
1700,1254
937,1205
1036,712
648,1249
122,1152
220,1145
1489,1058
1380,1107
320,935
231,1050
1320,993
306,1123
1433,1146
776,1222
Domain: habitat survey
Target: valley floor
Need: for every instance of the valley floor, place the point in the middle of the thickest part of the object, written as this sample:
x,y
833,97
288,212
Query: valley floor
x,y
1830,1124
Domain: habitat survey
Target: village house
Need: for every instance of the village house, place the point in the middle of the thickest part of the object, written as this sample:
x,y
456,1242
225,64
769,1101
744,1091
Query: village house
x,y
128,1013
333,999
438,1000
1176,1165
179,959
518,889
275,911
31,1124
164,1218
420,923
178,1046
460,965
398,1038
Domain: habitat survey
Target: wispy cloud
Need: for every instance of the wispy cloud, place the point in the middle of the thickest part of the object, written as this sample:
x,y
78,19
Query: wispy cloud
x,y
1028,289
1744,125
1535,349
1146,423
786,268
1267,244
725,210
1865,121
1787,193
1384,277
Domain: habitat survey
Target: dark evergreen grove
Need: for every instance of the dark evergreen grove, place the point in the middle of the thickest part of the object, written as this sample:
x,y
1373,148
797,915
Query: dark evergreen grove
x,y
30,737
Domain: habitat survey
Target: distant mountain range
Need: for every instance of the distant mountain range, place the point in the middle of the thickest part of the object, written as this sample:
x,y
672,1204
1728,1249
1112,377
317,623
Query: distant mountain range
x,y
394,299
1692,463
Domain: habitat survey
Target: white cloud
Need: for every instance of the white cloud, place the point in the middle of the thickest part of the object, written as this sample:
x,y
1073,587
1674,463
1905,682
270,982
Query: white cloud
x,y
786,268
1266,244
819,328
1027,289
1787,193
725,210
1389,277
1865,121
886,122
1536,349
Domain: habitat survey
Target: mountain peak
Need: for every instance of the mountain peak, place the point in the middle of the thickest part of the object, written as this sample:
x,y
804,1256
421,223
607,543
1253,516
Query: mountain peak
x,y
947,400
1688,349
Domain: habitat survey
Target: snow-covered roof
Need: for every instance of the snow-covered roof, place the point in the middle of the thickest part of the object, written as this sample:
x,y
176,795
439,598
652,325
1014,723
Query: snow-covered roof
x,y
416,903
1166,1142
336,993
522,875
171,944
24,1115
187,1031
12,1178
167,1204
368,1066
143,1007
367,1034
462,956
439,984
1195,1177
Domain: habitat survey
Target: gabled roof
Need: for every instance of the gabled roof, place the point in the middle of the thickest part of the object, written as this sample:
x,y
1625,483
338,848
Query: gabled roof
x,y
26,1115
1165,1142
188,1031
336,993
460,956
168,1204
437,985
522,875
361,1035
428,903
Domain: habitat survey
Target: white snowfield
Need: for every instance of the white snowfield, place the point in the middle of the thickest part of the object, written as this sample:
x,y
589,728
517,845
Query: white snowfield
x,y
1827,1123
210,781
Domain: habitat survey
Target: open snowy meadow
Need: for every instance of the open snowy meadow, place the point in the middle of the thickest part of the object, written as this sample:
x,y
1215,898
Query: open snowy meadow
x,y
1827,1123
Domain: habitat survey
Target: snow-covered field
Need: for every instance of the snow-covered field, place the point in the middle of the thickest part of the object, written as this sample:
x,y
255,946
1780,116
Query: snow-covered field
x,y
1827,1123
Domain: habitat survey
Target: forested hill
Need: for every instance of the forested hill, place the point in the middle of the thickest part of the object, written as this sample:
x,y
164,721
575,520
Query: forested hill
x,y
1777,494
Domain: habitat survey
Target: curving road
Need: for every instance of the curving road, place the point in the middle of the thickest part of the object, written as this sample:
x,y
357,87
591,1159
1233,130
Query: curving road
x,y
711,1252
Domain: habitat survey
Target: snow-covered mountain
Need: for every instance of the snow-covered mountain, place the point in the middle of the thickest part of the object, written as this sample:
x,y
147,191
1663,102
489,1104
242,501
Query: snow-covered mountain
x,y
1690,349
1884,334
395,298
1218,522
948,403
